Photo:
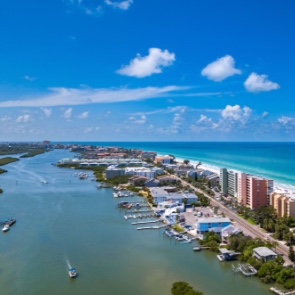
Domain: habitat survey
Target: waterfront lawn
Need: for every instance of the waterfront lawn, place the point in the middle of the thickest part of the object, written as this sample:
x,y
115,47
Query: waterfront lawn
x,y
7,160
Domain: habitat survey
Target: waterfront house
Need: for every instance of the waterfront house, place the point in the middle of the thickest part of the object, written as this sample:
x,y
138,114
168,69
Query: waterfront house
x,y
158,194
228,231
264,253
215,224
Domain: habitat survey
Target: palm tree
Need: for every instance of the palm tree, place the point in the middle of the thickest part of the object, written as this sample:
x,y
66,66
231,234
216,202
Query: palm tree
x,y
199,164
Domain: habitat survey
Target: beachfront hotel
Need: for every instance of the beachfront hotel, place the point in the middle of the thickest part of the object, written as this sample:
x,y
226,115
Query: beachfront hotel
x,y
251,191
283,203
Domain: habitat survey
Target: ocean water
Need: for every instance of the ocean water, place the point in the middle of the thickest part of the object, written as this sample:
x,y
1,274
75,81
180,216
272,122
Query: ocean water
x,y
273,160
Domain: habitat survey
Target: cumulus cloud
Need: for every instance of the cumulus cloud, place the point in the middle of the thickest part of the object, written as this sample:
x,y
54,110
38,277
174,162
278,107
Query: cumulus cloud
x,y
284,120
221,69
264,114
145,66
84,115
23,119
68,113
258,83
72,96
204,120
47,112
29,78
124,5
236,113
141,120
91,129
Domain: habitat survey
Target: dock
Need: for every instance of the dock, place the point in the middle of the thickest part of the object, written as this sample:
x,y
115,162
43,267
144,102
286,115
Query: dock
x,y
145,222
139,216
150,227
246,269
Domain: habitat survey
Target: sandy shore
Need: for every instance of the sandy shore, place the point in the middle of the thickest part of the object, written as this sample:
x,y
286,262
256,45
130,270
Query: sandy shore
x,y
278,187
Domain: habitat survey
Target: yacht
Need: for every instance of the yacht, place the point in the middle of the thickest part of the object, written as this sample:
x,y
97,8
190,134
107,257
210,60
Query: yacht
x,y
72,272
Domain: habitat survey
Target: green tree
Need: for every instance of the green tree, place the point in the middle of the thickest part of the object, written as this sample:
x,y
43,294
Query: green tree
x,y
183,288
186,162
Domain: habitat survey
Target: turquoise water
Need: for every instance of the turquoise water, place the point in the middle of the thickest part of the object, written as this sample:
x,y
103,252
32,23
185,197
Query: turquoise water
x,y
273,160
71,221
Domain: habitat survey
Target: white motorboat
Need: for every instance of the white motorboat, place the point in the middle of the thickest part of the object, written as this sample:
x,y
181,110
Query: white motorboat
x,y
73,273
5,228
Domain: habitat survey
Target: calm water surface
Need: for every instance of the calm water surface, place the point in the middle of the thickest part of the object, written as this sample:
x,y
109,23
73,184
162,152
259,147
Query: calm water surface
x,y
70,220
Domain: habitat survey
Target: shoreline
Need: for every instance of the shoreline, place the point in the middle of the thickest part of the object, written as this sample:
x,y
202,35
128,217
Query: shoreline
x,y
278,186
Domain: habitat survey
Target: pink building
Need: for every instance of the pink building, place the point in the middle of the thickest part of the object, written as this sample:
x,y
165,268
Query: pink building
x,y
254,192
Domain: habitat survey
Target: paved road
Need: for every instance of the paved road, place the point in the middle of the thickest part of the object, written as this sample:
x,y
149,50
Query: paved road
x,y
254,230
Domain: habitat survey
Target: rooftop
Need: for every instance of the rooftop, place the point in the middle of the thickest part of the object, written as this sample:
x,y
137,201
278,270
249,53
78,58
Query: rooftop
x,y
213,220
264,252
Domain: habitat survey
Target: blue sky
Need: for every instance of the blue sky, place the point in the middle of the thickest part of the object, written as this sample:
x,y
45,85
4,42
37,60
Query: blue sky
x,y
138,70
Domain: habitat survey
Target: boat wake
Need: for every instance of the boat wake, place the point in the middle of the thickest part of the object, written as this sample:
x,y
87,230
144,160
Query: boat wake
x,y
68,264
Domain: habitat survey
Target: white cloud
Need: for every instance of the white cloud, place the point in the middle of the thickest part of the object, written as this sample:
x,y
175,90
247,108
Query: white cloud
x,y
236,113
153,63
72,96
68,113
91,129
124,5
47,112
284,120
257,83
23,119
84,115
85,6
221,69
29,78
264,114
204,119
141,120
5,119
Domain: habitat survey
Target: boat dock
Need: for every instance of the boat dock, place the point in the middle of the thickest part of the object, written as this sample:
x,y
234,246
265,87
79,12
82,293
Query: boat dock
x,y
150,227
139,216
246,269
145,222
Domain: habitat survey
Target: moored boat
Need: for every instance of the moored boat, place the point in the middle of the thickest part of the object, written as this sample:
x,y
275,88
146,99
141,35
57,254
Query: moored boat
x,y
10,221
5,227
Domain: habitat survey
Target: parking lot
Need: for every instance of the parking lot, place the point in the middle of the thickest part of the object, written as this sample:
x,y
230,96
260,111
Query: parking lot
x,y
192,214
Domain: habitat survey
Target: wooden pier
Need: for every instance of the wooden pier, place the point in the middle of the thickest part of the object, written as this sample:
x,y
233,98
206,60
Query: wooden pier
x,y
145,222
150,227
